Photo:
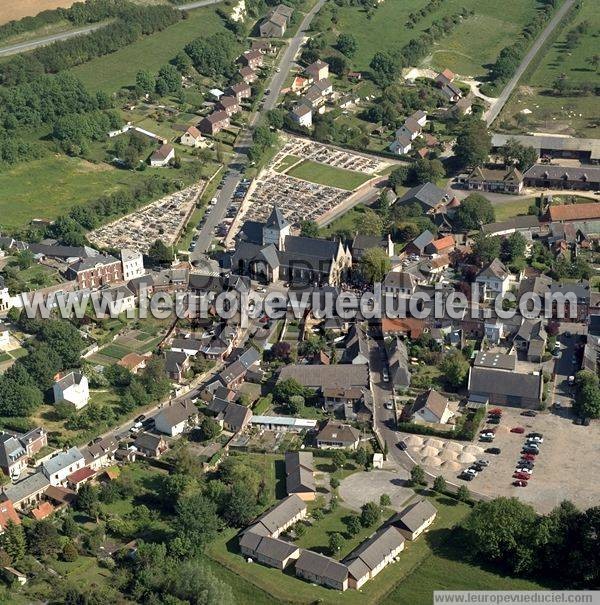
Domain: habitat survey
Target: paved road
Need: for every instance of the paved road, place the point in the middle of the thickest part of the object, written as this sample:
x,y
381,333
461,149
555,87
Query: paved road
x,y
495,110
14,49
244,140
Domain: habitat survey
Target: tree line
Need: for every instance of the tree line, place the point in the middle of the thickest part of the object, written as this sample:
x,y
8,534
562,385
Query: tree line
x,y
132,23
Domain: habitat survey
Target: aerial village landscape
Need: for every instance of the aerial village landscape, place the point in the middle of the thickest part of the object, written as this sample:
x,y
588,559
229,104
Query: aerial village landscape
x,y
209,211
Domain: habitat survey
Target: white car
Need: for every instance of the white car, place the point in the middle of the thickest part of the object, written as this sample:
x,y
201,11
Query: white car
x,y
261,289
388,405
525,470
470,471
535,440
385,376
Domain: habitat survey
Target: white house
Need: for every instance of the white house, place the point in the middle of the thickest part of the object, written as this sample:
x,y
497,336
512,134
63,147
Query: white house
x,y
5,299
192,137
493,280
133,264
401,145
431,407
176,417
163,155
302,115
73,388
58,468
114,301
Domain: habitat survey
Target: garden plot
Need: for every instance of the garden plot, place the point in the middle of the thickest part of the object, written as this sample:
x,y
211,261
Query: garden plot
x,y
163,219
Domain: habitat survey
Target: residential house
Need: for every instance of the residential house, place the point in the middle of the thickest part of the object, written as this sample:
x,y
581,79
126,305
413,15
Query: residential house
x,y
493,280
33,441
268,551
174,418
400,283
322,570
280,517
214,123
134,362
564,213
236,417
335,435
111,302
445,77
299,84
79,477
101,453
499,387
373,555
276,21
410,130
319,70
431,407
577,300
299,469
25,493
96,271
401,145
248,74
497,180
192,137
397,355
176,365
357,349
163,155
152,446
8,514
415,519
240,91
73,388
361,243
13,456
133,264
190,346
442,245
230,105
428,196
531,339
59,467
234,374
252,59
551,176
420,243
301,114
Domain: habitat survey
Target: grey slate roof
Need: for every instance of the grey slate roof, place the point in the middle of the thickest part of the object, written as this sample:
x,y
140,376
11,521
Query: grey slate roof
x,y
273,548
413,516
11,449
422,240
311,246
494,269
398,363
483,380
316,564
331,376
275,518
177,412
70,379
338,432
356,344
373,551
62,461
498,361
236,414
32,484
532,329
147,441
428,194
99,260
566,173
276,219
299,472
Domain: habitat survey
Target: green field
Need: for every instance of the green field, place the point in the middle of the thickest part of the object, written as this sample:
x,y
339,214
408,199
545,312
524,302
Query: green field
x,y
323,174
49,186
466,50
532,108
286,162
118,69
510,209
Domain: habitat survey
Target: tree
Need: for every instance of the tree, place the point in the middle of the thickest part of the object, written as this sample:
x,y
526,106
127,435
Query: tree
x,y
295,404
144,82
309,228
473,143
336,541
513,247
587,397
43,539
209,428
240,508
594,61
486,247
385,500
455,368
287,388
13,541
463,493
369,514
354,525
361,456
520,155
338,458
474,211
347,44
160,253
281,350
385,68
439,484
193,583
334,482
369,223
374,265
424,171
417,476
196,521
168,80
398,177
88,500
69,552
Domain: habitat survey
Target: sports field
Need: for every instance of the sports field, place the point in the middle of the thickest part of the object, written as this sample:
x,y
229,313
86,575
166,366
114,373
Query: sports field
x,y
329,175
470,46
59,183
111,72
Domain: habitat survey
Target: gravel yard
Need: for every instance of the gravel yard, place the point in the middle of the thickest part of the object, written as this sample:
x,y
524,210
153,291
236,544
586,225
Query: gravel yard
x,y
359,488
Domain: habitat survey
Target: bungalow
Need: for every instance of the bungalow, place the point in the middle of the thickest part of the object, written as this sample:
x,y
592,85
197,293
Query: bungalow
x,y
72,388
163,155
268,551
176,417
277,519
134,362
152,446
335,435
58,468
248,75
240,91
230,105
299,471
373,555
428,196
497,180
499,387
415,519
192,137
322,570
26,493
214,123
431,407
252,59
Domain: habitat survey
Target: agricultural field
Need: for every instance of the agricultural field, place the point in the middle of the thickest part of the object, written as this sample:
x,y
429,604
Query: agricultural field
x,y
322,174
26,8
533,107
47,187
467,50
111,72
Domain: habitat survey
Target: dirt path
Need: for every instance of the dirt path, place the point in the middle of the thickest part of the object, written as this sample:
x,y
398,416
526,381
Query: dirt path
x,y
25,8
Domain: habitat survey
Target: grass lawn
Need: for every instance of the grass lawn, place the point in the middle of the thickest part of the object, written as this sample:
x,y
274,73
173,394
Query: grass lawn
x,y
346,221
49,186
323,174
466,50
118,69
512,208
286,162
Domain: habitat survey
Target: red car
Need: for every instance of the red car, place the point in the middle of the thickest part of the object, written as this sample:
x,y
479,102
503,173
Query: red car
x,y
529,457
495,412
524,476
520,483
517,429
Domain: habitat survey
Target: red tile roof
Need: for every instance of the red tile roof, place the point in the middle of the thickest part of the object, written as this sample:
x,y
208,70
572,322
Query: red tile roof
x,y
8,513
574,212
443,242
45,509
408,325
81,475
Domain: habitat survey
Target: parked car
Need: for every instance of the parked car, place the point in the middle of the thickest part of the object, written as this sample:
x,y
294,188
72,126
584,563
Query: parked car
x,y
520,483
525,464
523,476
385,375
524,469
483,462
140,418
532,435
402,445
530,449
466,476
388,405
529,457
471,471
530,413
494,419
495,412
517,429
493,450
571,380
486,438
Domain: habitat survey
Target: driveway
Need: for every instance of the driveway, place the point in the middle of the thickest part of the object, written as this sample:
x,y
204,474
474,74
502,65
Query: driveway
x,y
359,488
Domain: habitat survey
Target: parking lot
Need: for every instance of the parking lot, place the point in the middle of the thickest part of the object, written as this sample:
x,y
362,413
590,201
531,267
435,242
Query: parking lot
x,y
565,468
